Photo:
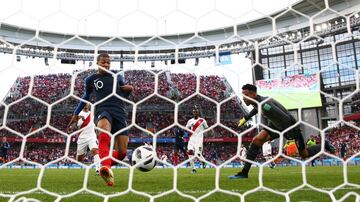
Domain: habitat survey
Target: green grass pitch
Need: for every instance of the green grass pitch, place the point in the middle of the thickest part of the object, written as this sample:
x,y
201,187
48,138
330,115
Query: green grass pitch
x,y
283,179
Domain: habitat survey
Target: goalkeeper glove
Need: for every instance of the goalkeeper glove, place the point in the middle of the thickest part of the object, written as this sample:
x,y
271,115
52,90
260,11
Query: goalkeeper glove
x,y
241,122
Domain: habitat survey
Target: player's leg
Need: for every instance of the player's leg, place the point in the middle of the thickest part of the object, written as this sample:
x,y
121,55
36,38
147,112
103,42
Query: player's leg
x,y
267,153
80,158
95,154
104,141
253,151
121,140
6,157
121,145
104,122
272,163
175,156
199,153
300,144
313,163
312,150
267,158
81,150
191,153
182,148
176,159
93,146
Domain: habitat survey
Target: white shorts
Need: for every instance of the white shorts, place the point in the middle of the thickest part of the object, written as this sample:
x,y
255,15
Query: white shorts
x,y
266,149
196,144
243,153
84,143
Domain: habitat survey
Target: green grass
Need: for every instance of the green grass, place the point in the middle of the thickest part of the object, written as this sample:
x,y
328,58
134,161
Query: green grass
x,y
296,100
65,181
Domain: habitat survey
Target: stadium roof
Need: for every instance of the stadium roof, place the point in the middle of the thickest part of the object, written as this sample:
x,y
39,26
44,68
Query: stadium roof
x,y
135,18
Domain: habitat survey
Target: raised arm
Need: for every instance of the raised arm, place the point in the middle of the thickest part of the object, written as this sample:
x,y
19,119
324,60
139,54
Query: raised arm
x,y
86,96
251,114
126,89
244,119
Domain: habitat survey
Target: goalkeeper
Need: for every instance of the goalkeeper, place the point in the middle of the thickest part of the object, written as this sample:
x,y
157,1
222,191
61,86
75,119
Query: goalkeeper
x,y
278,119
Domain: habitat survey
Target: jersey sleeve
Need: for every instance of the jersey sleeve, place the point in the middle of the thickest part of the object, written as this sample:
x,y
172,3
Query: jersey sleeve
x,y
251,114
120,80
205,124
86,96
79,123
188,124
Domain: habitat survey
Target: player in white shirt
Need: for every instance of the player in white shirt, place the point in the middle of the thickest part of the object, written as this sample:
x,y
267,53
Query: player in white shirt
x,y
267,153
87,138
164,158
195,145
242,153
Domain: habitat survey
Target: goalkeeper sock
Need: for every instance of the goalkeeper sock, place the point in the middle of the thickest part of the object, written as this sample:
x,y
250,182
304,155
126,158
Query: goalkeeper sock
x,y
97,161
313,150
104,141
250,155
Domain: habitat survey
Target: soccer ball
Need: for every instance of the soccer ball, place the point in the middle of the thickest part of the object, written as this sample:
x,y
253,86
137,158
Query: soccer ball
x,y
140,154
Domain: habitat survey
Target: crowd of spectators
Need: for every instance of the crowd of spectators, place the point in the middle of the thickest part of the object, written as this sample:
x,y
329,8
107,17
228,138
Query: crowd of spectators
x,y
346,139
23,118
294,81
52,87
28,115
216,153
355,103
44,153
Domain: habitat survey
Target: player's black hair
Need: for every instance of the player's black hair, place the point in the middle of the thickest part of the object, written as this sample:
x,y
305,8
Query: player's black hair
x,y
196,108
249,87
105,55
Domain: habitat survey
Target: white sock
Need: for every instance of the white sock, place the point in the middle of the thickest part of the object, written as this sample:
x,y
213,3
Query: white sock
x,y
268,158
192,164
97,161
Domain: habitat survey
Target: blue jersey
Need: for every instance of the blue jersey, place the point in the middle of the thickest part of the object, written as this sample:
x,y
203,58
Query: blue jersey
x,y
102,86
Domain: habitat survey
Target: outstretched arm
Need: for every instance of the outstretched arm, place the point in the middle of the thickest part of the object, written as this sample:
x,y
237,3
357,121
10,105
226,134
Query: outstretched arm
x,y
126,89
243,120
210,132
251,114
86,96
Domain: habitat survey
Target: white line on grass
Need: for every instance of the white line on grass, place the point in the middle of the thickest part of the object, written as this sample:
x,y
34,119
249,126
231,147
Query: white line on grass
x,y
195,191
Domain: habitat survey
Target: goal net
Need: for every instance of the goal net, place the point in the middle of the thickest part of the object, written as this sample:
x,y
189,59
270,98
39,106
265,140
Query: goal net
x,y
180,56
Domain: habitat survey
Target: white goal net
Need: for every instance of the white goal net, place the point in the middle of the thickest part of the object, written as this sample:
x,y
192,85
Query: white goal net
x,y
181,55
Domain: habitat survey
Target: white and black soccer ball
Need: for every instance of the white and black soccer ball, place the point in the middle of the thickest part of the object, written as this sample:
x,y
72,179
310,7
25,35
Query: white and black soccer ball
x,y
140,154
